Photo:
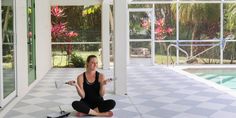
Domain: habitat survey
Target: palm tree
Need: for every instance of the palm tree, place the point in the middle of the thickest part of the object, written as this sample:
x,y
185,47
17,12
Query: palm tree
x,y
230,16
195,15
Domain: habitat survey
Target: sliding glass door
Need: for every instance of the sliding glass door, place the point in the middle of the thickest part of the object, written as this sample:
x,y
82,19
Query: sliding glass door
x,y
8,63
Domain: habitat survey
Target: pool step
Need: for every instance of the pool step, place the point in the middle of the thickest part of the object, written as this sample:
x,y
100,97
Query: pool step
x,y
216,78
227,80
224,80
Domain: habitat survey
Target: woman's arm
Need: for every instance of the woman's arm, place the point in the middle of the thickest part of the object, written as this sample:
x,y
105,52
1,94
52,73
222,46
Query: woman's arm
x,y
102,82
79,86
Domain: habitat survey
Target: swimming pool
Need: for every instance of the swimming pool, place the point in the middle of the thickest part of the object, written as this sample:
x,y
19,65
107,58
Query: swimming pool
x,y
222,76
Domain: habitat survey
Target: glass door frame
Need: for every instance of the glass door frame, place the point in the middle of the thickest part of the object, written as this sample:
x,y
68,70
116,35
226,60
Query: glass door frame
x,y
152,40
31,70
8,98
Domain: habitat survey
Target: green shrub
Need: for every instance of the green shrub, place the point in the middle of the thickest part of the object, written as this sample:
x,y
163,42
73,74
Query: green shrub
x,y
77,61
7,59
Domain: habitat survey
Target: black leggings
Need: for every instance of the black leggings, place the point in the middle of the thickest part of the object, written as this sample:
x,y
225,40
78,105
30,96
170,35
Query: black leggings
x,y
104,106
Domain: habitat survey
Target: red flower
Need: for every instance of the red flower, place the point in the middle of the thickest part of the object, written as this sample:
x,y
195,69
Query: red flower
x,y
158,30
72,34
160,22
57,12
169,30
161,30
59,29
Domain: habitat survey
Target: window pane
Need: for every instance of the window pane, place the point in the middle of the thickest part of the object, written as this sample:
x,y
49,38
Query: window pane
x,y
8,48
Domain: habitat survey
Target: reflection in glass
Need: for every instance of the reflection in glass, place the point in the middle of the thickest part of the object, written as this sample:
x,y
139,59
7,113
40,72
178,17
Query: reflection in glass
x,y
8,48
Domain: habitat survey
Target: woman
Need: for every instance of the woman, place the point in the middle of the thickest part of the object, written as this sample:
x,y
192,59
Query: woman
x,y
90,86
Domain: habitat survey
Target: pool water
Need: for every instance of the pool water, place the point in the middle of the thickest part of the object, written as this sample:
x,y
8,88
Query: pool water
x,y
222,76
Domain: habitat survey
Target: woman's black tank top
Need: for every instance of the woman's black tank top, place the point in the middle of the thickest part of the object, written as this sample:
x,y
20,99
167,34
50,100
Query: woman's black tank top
x,y
92,96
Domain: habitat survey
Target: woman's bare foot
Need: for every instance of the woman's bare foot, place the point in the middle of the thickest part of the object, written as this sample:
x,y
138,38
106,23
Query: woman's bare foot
x,y
79,114
95,112
110,114
106,114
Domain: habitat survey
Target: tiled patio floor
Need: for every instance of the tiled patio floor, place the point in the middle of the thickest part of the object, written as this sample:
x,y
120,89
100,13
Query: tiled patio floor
x,y
153,92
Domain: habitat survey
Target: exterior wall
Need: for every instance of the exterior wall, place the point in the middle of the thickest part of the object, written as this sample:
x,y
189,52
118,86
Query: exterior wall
x,y
43,37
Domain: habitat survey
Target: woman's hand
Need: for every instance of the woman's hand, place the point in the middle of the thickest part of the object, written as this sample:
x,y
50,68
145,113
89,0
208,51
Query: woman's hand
x,y
72,83
106,81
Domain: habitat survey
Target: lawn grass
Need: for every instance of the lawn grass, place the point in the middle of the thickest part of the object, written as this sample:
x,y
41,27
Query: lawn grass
x,y
60,59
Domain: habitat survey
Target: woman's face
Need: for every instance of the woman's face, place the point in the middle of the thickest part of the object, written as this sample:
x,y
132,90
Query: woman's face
x,y
92,64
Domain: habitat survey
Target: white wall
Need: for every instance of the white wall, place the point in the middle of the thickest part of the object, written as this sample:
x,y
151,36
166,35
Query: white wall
x,y
120,62
43,37
105,35
21,53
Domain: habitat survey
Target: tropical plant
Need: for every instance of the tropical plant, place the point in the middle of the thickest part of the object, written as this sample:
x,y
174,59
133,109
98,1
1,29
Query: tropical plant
x,y
87,24
164,27
77,61
59,30
90,9
162,31
165,22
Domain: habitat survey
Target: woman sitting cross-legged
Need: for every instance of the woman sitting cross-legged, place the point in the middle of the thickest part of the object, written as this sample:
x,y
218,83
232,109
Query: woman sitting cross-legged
x,y
90,86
